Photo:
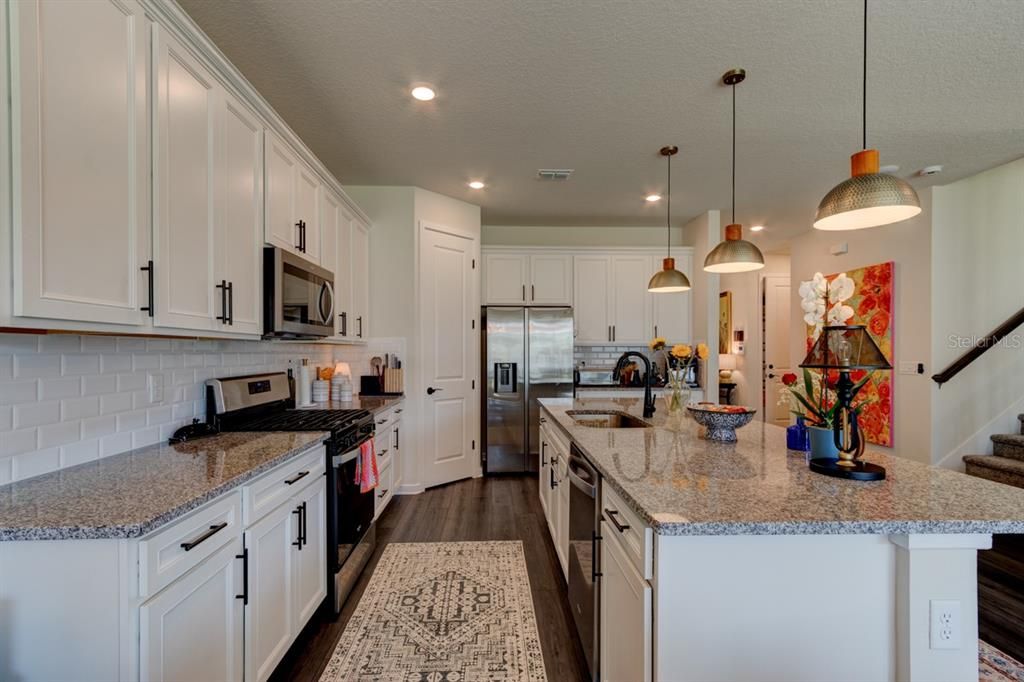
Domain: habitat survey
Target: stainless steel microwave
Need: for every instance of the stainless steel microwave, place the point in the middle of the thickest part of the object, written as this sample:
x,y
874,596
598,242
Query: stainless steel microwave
x,y
298,297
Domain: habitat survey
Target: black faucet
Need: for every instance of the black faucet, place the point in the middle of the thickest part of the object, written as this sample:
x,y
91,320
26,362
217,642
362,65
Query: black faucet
x,y
648,377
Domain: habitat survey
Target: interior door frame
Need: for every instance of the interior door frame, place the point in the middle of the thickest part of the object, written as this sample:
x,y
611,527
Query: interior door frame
x,y
418,377
762,342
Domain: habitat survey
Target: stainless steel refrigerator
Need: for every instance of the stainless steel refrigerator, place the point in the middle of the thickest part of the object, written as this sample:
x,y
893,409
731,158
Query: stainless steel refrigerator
x,y
528,355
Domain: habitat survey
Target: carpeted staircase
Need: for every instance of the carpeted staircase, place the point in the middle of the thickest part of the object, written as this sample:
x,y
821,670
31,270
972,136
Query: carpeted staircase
x,y
1005,464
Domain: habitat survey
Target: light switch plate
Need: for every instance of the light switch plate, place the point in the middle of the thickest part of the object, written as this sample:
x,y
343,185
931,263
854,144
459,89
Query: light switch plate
x,y
945,624
908,366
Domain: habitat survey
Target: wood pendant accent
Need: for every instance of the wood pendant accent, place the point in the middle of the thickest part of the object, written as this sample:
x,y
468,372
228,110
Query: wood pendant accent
x,y
668,264
733,232
864,162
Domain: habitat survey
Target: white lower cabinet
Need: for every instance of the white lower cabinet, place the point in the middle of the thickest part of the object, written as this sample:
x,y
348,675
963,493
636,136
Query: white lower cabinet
x,y
627,620
562,493
268,615
310,560
553,489
192,630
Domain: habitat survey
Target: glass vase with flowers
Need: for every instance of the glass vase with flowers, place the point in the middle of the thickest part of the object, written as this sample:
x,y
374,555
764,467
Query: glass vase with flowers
x,y
678,361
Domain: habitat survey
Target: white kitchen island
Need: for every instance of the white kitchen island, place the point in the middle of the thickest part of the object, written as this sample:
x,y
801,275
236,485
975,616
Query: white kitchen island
x,y
735,562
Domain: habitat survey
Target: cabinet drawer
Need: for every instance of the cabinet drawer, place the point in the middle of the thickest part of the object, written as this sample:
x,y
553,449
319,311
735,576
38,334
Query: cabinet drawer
x,y
276,486
385,491
384,441
636,537
174,550
382,420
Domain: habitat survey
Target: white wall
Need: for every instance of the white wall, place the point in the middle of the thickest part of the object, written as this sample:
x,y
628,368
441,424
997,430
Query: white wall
x,y
68,399
533,235
746,315
705,231
977,260
908,244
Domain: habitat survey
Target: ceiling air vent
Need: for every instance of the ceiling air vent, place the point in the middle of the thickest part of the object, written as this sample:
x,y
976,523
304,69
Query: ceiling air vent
x,y
555,174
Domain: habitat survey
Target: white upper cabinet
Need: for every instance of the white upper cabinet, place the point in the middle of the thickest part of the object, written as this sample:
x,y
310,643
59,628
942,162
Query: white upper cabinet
x,y
239,211
505,276
630,301
292,201
360,264
336,223
80,127
591,298
672,312
527,279
184,190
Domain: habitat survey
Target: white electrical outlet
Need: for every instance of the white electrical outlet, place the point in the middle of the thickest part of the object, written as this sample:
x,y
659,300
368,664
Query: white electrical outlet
x,y
945,624
156,388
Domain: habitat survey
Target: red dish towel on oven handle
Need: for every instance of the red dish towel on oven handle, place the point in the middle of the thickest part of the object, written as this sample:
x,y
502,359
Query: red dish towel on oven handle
x,y
366,467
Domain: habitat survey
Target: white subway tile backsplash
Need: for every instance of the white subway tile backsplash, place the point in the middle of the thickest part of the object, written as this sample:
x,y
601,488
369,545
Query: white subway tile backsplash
x,y
27,465
67,399
59,434
55,389
81,364
36,414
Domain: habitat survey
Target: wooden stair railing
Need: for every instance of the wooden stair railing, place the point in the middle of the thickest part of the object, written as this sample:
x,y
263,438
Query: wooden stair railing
x,y
979,349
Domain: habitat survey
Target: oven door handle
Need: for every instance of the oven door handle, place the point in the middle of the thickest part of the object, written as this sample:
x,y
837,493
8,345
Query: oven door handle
x,y
346,457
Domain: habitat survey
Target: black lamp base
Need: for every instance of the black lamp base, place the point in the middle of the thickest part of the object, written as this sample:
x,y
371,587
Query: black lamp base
x,y
859,470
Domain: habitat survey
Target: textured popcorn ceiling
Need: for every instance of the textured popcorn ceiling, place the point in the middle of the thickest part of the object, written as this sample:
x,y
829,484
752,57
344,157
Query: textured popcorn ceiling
x,y
600,85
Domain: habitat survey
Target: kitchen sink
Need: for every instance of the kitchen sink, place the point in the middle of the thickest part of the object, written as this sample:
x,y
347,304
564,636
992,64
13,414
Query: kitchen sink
x,y
607,420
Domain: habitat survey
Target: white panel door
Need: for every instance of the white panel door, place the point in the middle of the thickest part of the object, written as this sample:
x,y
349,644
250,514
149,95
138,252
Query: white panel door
x,y
505,278
673,316
192,629
269,617
282,165
776,346
359,319
308,561
631,302
240,214
450,359
80,131
551,280
184,190
626,649
591,293
307,210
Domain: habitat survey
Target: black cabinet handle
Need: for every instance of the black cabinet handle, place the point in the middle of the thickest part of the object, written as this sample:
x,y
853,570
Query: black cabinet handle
x,y
304,520
301,475
383,493
611,514
551,471
148,269
298,533
192,544
231,303
359,321
398,411
544,453
383,452
244,556
223,286
524,293
533,296
594,573
396,438
344,323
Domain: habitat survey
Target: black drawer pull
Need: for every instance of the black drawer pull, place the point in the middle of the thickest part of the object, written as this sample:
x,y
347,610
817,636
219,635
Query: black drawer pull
x,y
611,514
383,452
383,493
190,545
301,475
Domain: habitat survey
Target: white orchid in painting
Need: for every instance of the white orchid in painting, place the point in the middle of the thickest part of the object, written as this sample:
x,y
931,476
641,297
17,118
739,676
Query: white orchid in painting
x,y
812,301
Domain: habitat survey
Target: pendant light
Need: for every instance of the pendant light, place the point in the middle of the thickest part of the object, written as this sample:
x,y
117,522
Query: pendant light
x,y
868,198
735,254
668,280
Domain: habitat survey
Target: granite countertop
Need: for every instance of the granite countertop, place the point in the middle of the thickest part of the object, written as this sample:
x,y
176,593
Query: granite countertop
x,y
681,484
374,403
131,494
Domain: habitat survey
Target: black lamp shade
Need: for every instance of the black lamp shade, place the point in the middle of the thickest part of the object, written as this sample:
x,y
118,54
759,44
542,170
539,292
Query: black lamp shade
x,y
845,348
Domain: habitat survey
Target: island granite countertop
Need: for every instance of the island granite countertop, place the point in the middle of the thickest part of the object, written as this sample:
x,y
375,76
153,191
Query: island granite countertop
x,y
682,484
135,492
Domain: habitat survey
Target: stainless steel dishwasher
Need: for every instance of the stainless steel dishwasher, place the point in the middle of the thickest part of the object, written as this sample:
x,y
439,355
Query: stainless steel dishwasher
x,y
584,554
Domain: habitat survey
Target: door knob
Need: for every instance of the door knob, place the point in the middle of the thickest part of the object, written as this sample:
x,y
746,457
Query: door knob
x,y
771,376
431,390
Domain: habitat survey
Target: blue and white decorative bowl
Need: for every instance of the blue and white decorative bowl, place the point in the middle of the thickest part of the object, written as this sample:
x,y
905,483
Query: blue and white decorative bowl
x,y
721,426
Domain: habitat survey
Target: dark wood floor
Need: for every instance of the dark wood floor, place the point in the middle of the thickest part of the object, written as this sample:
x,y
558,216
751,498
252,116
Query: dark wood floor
x,y
1001,594
498,508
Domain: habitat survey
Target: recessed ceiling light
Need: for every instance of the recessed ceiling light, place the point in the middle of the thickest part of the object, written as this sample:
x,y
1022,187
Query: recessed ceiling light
x,y
652,197
756,228
476,184
423,93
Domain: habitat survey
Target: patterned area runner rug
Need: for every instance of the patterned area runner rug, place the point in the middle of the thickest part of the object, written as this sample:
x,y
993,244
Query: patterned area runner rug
x,y
443,612
995,666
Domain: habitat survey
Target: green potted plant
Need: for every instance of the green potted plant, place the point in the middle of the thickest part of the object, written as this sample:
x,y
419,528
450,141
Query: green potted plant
x,y
812,402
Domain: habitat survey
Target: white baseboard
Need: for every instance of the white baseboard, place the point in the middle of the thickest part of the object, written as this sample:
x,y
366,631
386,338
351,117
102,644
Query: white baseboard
x,y
979,442
410,489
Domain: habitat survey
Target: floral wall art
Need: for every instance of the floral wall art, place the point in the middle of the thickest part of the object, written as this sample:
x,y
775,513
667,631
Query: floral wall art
x,y
862,296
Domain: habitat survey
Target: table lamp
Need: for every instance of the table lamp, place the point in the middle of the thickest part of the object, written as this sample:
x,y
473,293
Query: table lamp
x,y
846,348
726,365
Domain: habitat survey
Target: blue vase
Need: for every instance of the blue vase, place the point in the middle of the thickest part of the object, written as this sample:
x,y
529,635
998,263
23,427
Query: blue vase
x,y
823,444
796,436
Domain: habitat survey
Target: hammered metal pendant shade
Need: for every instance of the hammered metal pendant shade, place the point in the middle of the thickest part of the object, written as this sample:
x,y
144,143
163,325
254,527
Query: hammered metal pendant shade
x,y
668,280
867,199
735,254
